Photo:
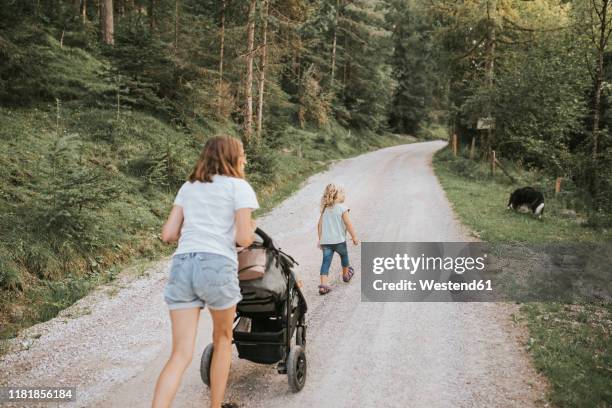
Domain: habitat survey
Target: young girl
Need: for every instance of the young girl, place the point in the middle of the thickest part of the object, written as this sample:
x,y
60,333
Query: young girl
x,y
333,224
211,213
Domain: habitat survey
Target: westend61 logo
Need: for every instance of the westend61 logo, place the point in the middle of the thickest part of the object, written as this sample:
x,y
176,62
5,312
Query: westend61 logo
x,y
425,272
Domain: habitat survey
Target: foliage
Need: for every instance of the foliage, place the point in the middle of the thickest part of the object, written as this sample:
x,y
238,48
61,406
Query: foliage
x,y
314,106
413,67
570,344
529,65
462,179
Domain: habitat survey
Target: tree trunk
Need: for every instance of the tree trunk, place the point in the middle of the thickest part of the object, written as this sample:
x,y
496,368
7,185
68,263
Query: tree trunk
x,y
262,71
490,67
599,75
107,22
151,12
334,42
597,103
84,10
176,25
345,70
221,51
248,83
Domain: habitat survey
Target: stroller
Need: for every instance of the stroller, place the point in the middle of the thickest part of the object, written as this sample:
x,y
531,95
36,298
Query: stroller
x,y
271,312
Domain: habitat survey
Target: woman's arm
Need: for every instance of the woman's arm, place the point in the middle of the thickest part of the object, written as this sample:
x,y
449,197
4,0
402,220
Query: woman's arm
x,y
245,227
171,231
349,227
319,227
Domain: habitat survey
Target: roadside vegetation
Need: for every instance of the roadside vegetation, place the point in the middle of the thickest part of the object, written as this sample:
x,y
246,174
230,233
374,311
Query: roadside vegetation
x,y
527,83
569,342
84,200
481,199
104,107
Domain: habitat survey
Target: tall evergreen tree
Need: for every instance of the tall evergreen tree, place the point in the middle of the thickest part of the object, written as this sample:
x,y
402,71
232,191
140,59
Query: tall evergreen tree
x,y
413,67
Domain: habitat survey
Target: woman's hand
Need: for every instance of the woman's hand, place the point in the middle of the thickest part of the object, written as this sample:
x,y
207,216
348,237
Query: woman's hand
x,y
171,231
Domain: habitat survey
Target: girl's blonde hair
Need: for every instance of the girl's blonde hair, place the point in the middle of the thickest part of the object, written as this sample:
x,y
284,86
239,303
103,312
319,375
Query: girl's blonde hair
x,y
331,195
220,155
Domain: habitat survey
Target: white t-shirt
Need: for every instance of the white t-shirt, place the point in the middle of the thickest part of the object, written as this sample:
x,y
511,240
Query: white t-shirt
x,y
209,214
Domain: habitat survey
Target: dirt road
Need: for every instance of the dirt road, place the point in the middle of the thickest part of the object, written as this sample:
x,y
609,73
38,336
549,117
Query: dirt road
x,y
359,354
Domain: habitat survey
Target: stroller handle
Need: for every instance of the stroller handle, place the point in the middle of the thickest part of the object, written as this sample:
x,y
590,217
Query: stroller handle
x,y
267,241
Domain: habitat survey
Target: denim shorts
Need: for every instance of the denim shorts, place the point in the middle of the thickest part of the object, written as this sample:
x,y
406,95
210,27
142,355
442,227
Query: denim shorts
x,y
328,254
200,278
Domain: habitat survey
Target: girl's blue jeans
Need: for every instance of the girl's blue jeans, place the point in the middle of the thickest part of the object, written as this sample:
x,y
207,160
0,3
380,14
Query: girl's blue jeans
x,y
328,254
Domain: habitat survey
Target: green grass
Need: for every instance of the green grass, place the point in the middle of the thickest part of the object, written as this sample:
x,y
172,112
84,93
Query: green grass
x,y
54,251
432,131
569,343
85,187
467,182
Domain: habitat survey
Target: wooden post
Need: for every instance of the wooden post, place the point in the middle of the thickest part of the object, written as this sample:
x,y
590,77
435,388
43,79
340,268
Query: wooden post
x,y
558,185
455,144
493,160
473,148
504,170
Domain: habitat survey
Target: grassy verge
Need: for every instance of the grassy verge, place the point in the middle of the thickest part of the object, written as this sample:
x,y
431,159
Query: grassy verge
x,y
467,182
569,343
86,193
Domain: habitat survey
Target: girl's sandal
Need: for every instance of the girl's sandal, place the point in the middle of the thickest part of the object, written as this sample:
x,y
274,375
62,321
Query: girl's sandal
x,y
346,278
324,289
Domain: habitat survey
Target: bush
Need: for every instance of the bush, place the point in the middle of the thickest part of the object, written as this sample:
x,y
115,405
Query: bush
x,y
168,164
10,278
70,191
314,105
262,164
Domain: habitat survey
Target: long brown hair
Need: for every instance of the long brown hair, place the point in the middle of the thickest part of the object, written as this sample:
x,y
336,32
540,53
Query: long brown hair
x,y
220,155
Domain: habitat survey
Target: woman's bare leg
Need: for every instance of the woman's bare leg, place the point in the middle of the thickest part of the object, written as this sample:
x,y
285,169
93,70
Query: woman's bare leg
x,y
184,329
222,353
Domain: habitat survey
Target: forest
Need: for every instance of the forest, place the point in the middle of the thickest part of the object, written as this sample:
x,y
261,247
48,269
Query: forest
x,y
105,103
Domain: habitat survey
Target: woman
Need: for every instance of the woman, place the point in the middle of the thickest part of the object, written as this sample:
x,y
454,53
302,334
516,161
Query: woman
x,y
211,213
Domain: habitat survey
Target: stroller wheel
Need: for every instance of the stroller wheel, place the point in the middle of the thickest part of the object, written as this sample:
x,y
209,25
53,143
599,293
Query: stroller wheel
x,y
205,364
296,368
300,336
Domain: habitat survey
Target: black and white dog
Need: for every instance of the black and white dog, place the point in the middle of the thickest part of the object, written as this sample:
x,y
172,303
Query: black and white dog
x,y
529,197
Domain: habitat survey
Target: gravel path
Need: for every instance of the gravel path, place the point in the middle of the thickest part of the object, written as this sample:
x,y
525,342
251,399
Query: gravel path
x,y
359,354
